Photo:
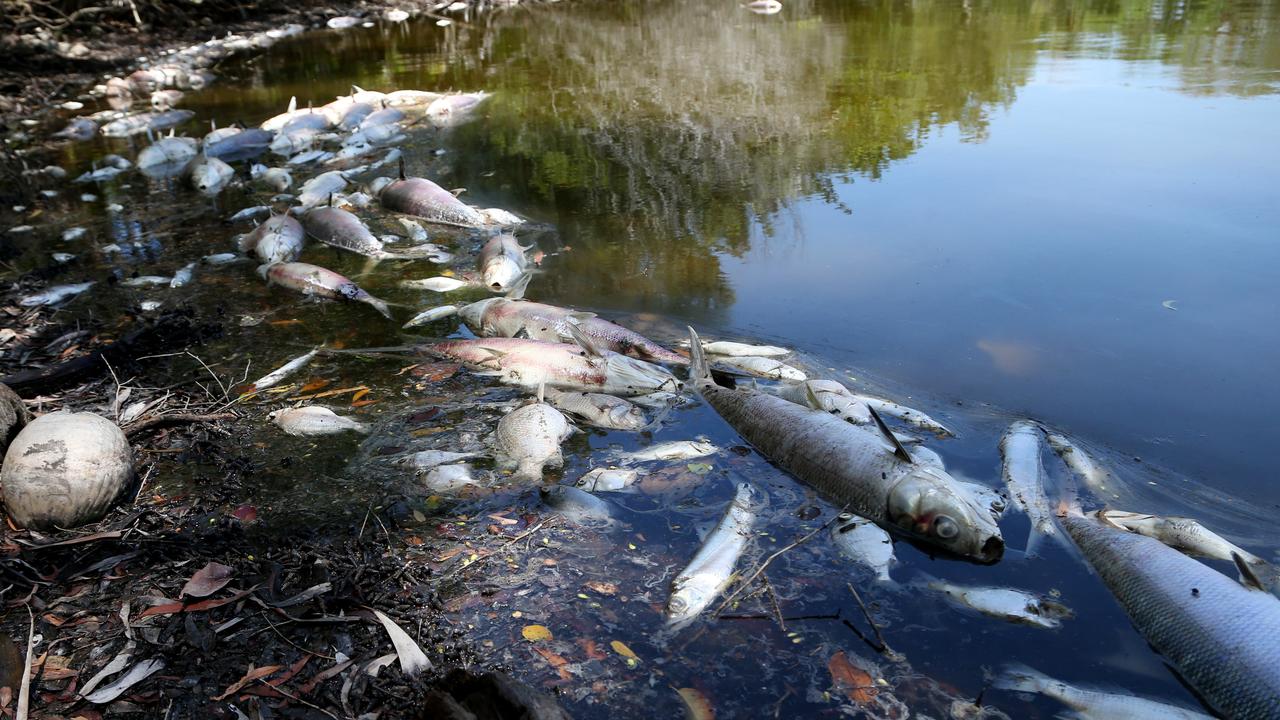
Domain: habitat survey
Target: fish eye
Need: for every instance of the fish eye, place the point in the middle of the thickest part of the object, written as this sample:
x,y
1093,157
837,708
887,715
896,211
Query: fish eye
x,y
945,528
845,517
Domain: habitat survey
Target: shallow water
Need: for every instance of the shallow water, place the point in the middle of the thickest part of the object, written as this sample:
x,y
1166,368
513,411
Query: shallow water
x,y
979,210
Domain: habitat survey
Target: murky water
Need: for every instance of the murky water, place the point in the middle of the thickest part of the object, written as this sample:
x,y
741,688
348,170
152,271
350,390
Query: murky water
x,y
988,210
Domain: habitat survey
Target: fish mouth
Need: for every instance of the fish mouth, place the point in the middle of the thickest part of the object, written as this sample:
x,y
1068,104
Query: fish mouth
x,y
992,550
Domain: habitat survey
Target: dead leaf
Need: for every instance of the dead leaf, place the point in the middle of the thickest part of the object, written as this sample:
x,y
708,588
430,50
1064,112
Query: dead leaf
x,y
412,659
696,705
323,675
359,394
413,540
314,385
435,372
363,403
245,513
282,323
56,668
534,633
137,674
555,661
589,647
622,649
170,608
208,580
851,680
253,674
604,588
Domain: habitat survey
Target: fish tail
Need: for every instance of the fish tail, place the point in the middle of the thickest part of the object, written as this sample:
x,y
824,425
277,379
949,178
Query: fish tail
x,y
1033,542
698,369
1020,678
379,305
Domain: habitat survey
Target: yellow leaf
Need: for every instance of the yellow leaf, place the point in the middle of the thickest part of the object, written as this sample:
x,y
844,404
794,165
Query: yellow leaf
x,y
534,633
621,648
696,705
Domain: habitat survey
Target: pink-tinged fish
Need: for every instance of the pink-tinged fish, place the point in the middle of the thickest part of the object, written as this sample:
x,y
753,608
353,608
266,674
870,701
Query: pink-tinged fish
x,y
315,280
422,198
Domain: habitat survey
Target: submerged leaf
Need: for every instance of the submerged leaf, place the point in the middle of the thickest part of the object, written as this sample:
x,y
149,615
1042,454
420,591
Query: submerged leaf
x,y
534,633
851,680
696,705
253,674
622,649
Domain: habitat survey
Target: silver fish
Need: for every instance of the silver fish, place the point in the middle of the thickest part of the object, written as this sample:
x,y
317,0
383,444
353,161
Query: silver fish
x,y
278,239
907,415
865,543
735,349
448,478
609,480
240,145
828,396
385,116
451,110
167,151
512,317
427,459
763,367
530,363
1095,477
314,420
1007,604
339,228
320,282
673,450
711,569
221,258
576,505
354,115
528,439
1023,474
140,123
183,276
502,262
1218,635
275,376
317,190
436,284
1193,538
597,409
146,281
209,175
277,179
857,469
250,213
55,294
431,315
1090,704
78,129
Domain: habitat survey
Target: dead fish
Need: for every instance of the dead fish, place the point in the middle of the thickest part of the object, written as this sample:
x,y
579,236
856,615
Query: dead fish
x,y
250,213
78,130
183,275
1090,704
609,480
865,543
314,420
306,158
60,257
318,189
576,505
209,175
907,415
342,22
712,567
502,262
111,165
530,363
431,315
449,478
1024,475
275,376
1006,604
597,409
763,367
354,115
528,439
673,450
319,282
277,179
400,98
736,349
427,459
220,258
437,284
167,151
278,239
424,199
241,145
450,110
162,100
828,396
385,116
142,122
1192,538
55,294
146,281
1095,477
72,234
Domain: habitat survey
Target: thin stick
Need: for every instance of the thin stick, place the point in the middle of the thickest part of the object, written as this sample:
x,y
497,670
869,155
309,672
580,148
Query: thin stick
x,y
24,692
752,578
295,698
176,419
773,600
884,646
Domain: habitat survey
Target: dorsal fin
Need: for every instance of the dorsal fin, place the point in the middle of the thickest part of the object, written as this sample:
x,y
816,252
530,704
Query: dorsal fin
x,y
402,167
213,125
293,104
898,449
542,392
811,396
1248,577
583,341
330,199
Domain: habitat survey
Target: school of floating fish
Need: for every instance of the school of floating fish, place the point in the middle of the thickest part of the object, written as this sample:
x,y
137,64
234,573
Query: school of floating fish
x,y
1217,632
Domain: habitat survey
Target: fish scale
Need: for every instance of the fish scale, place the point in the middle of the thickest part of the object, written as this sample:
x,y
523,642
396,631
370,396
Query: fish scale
x,y
1219,635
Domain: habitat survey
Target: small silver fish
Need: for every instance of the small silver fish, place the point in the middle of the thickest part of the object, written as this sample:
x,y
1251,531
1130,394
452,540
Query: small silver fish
x,y
865,543
1024,475
609,480
1090,704
275,376
735,349
314,420
427,459
1007,604
146,281
449,478
183,276
606,411
577,505
221,258
431,315
1095,477
674,450
55,294
711,569
763,367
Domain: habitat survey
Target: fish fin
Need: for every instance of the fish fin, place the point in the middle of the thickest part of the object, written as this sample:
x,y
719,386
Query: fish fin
x,y
379,305
293,104
898,449
1248,577
1020,678
579,315
581,338
519,286
402,167
521,334
542,392
697,358
494,352
811,397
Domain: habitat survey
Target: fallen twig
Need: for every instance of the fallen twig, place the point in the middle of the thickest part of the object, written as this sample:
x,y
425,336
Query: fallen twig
x,y
764,566
174,419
